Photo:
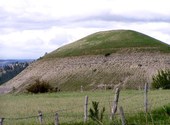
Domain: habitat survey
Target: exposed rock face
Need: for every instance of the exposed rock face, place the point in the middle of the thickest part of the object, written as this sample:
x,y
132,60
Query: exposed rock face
x,y
133,70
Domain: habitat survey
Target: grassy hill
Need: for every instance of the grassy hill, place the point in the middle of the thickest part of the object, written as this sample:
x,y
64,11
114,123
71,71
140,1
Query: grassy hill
x,y
111,42
117,57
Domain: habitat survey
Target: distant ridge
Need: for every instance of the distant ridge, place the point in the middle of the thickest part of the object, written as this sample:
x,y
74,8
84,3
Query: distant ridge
x,y
117,57
4,62
111,42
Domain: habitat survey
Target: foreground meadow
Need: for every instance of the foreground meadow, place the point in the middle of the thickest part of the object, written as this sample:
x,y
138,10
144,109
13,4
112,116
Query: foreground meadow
x,y
22,109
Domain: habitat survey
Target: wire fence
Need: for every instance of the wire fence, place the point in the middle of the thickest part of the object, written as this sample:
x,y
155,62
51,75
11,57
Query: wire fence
x,y
133,103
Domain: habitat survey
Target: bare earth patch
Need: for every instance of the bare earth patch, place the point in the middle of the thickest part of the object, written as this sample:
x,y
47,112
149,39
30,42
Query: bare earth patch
x,y
70,73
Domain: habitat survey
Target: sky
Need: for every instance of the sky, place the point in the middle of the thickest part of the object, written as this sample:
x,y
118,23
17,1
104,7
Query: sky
x,y
30,28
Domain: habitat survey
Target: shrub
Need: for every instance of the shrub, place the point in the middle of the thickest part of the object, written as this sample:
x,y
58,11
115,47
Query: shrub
x,y
95,115
107,54
161,80
39,87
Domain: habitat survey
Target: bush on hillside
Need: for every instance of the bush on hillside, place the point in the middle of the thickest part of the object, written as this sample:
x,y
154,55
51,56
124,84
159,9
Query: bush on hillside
x,y
107,54
39,87
161,80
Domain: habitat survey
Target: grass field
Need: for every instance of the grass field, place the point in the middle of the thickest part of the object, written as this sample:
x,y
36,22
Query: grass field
x,y
23,109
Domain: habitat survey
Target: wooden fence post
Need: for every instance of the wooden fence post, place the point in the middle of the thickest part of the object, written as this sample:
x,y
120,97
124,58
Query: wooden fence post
x,y
81,88
86,109
1,121
146,101
115,103
56,119
40,117
105,87
146,97
122,115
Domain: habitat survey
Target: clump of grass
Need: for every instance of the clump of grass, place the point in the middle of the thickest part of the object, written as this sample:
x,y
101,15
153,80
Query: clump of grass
x,y
158,116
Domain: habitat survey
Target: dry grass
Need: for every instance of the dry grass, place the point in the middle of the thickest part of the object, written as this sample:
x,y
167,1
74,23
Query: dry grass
x,y
91,71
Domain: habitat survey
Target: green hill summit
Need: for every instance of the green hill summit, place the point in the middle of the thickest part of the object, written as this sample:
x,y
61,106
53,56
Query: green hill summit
x,y
111,42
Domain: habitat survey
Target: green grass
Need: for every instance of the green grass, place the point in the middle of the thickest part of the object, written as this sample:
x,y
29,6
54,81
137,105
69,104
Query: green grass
x,y
110,42
70,106
157,116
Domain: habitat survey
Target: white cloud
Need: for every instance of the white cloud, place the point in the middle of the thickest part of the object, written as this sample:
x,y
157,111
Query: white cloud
x,y
29,28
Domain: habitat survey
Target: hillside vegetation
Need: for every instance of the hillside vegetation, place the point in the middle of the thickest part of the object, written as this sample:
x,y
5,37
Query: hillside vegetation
x,y
9,71
111,42
121,57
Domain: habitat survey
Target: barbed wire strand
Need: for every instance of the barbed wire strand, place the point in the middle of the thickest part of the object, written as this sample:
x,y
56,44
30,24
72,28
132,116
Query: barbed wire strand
x,y
75,116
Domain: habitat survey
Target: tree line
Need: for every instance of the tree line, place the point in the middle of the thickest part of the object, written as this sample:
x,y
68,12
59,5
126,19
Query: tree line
x,y
9,71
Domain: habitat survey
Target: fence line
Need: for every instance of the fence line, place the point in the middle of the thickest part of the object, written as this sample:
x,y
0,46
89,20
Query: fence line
x,y
58,114
46,114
